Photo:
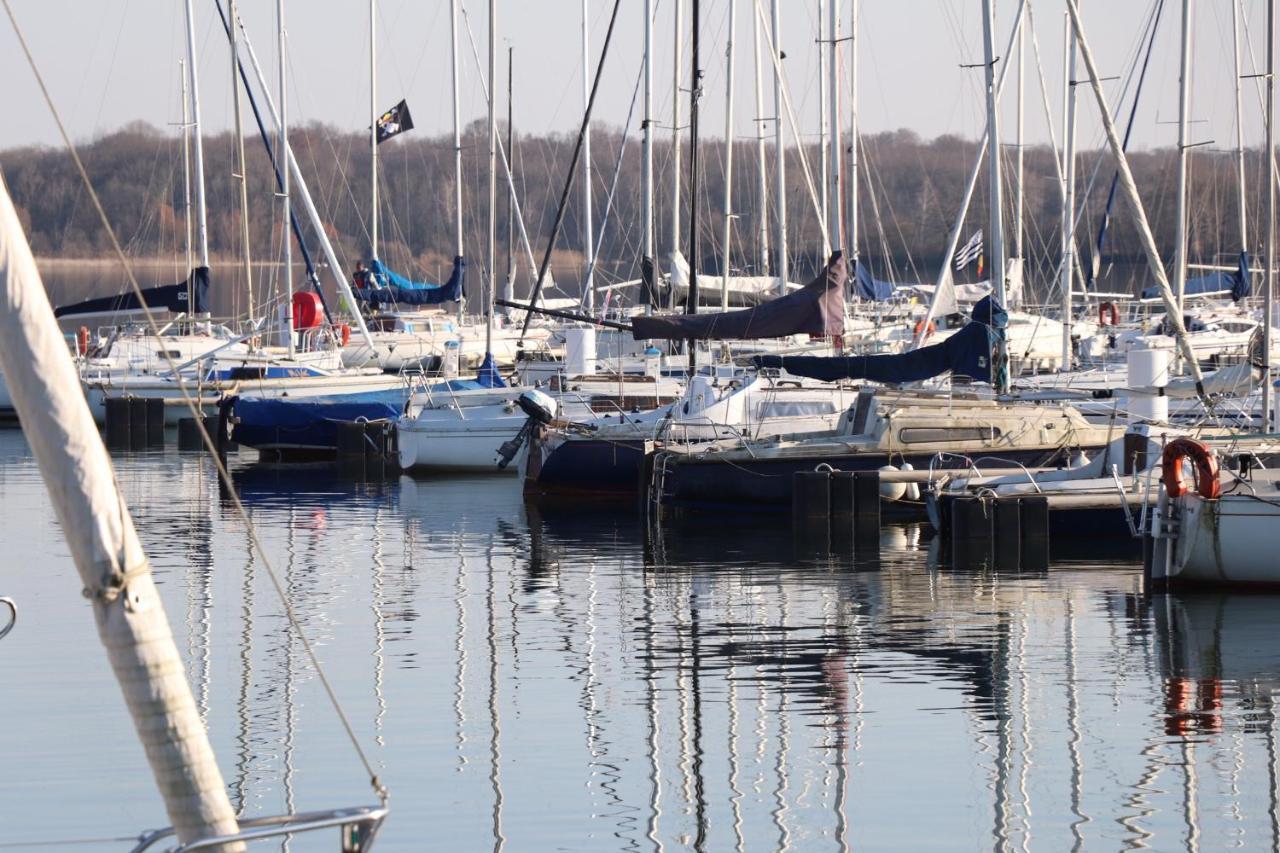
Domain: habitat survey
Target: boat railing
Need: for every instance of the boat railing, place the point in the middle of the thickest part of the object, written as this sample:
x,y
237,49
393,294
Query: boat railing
x,y
358,828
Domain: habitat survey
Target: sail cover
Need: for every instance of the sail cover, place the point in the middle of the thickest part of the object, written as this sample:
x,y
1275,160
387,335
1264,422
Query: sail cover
x,y
815,309
394,288
871,288
1237,282
173,297
966,353
488,376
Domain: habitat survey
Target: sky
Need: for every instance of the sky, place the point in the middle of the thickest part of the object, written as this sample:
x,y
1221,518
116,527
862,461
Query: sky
x,y
110,62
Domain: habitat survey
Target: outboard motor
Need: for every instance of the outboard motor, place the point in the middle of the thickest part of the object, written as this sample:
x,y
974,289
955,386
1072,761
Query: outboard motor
x,y
541,409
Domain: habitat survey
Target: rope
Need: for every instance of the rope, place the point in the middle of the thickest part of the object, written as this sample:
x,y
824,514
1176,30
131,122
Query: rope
x,y
379,789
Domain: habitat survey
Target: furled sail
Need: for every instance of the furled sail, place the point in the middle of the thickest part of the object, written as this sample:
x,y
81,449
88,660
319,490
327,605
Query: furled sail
x,y
869,287
815,309
966,353
391,288
1236,282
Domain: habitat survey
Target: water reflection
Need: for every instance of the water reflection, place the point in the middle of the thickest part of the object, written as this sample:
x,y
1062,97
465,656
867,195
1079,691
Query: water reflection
x,y
551,675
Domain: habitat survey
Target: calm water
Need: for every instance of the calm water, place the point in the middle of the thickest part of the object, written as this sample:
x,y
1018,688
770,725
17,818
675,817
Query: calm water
x,y
551,677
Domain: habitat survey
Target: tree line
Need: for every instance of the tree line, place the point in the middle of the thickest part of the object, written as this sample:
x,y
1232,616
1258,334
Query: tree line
x,y
908,194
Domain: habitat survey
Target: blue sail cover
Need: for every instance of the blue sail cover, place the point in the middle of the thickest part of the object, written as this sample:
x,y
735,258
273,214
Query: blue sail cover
x,y
966,353
1238,283
488,376
395,289
871,288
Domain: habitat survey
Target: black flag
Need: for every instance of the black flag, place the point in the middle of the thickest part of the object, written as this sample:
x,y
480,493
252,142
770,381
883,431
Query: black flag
x,y
394,121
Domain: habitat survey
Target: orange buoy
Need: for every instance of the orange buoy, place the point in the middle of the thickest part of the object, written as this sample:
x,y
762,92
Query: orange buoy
x,y
82,341
1108,314
344,333
1206,468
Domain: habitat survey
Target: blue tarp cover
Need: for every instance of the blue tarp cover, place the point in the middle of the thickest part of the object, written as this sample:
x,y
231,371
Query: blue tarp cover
x,y
1238,283
487,376
871,288
395,289
966,353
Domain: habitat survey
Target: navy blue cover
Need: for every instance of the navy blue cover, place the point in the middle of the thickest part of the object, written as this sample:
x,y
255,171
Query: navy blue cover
x,y
170,296
871,288
487,376
966,353
1238,283
395,289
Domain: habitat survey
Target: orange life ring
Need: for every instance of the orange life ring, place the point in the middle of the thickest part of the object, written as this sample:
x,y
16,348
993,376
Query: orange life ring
x,y
1108,314
344,333
921,327
1206,465
82,340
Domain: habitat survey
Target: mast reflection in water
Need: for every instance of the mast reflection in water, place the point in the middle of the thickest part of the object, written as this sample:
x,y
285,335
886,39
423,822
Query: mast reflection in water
x,y
552,675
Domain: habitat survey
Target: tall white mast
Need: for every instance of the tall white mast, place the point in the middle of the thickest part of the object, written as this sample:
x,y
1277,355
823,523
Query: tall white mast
x,y
995,240
186,175
588,230
678,42
242,175
779,141
115,575
282,163
762,180
646,164
197,144
1067,271
457,147
854,177
825,105
1020,198
373,129
1269,274
726,233
1240,178
1184,107
493,173
835,221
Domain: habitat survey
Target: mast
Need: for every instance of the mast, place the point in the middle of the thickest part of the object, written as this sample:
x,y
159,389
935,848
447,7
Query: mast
x,y
762,180
197,146
1235,56
1000,372
493,173
588,235
242,177
853,131
457,147
115,575
835,223
646,163
509,284
695,95
1184,106
284,183
373,129
675,129
726,233
186,178
1020,198
1269,275
779,142
824,125
1068,193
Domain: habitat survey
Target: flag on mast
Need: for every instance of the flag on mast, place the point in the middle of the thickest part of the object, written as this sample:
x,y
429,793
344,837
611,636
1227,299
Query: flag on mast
x,y
394,122
969,252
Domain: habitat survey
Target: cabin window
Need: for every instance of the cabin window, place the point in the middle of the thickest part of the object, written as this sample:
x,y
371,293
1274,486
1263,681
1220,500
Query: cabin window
x,y
926,435
795,408
169,353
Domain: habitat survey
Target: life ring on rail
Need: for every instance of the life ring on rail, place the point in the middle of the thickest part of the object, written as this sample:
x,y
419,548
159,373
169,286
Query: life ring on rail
x,y
1206,468
82,340
344,333
1108,314
928,329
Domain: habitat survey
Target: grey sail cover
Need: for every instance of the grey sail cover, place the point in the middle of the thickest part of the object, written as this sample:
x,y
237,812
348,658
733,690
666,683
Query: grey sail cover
x,y
815,309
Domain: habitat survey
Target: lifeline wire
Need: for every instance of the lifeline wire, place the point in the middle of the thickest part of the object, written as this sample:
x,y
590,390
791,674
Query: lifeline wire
x,y
223,474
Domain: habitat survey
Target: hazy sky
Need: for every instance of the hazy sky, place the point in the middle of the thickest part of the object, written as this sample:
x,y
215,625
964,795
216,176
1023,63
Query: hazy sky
x,y
109,62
